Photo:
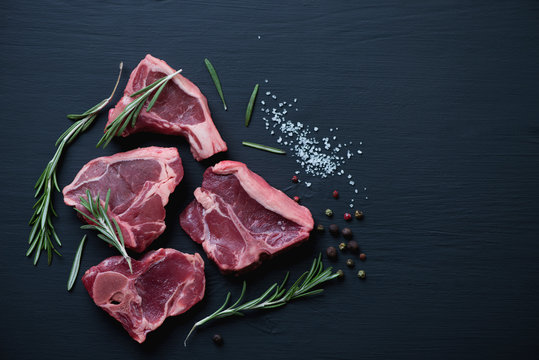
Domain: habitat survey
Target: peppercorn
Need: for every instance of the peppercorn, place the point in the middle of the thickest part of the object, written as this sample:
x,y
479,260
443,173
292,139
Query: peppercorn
x,y
320,228
334,229
329,213
342,246
359,215
295,179
331,253
353,246
217,339
296,199
362,257
347,233
347,216
350,263
361,274
340,273
335,194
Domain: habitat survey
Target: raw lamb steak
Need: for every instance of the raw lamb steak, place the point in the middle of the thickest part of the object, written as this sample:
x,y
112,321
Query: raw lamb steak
x,y
240,219
181,109
140,181
164,283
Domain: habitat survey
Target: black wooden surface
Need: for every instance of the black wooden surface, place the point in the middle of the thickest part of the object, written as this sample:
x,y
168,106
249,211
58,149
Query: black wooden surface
x,y
444,96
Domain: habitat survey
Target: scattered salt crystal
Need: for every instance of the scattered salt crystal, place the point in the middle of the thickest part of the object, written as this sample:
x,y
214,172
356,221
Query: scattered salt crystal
x,y
280,104
348,154
296,172
279,140
308,184
295,100
351,205
315,128
258,37
289,105
296,109
268,93
262,109
365,188
352,182
273,96
335,138
331,129
272,132
349,176
266,81
284,111
355,191
360,152
263,102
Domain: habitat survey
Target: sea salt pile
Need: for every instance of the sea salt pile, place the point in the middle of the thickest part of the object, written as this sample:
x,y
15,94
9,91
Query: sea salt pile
x,y
318,156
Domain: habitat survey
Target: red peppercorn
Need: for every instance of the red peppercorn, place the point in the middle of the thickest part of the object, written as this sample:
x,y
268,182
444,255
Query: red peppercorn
x,y
347,216
295,179
296,199
335,194
362,257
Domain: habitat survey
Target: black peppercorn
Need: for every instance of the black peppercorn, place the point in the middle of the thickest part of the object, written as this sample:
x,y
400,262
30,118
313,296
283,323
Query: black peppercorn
x,y
217,339
331,253
334,229
347,233
353,246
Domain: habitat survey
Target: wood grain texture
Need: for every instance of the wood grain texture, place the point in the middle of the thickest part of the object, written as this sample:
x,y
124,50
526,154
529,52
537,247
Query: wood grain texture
x,y
443,95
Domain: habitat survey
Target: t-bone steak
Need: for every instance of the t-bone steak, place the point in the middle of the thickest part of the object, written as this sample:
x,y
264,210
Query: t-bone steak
x,y
180,109
164,283
240,219
140,182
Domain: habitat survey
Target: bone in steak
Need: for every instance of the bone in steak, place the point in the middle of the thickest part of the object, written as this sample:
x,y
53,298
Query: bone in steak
x,y
140,180
164,283
180,109
239,218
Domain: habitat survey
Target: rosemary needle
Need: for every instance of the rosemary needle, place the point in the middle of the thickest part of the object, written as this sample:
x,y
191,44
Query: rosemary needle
x,y
216,81
43,231
76,265
280,296
263,147
109,231
250,106
131,112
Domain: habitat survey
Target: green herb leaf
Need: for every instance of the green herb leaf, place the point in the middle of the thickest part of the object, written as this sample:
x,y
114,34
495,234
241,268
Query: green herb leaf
x,y
131,112
263,147
304,286
43,233
97,215
76,265
249,111
216,81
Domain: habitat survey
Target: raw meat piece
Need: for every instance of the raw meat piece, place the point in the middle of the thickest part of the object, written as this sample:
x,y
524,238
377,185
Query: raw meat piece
x,y
164,283
240,219
181,109
140,180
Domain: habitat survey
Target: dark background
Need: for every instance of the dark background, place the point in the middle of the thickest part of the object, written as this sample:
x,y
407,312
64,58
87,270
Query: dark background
x,y
444,96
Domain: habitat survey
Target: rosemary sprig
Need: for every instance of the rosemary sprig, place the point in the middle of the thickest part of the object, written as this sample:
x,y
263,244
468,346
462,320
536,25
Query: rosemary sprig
x,y
131,112
76,265
100,221
43,231
216,80
263,147
276,296
249,111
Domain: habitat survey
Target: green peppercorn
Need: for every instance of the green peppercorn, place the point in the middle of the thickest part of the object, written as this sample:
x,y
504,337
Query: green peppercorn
x,y
329,213
359,215
342,246
350,263
331,252
217,339
347,233
353,246
334,229
320,228
361,274
340,273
